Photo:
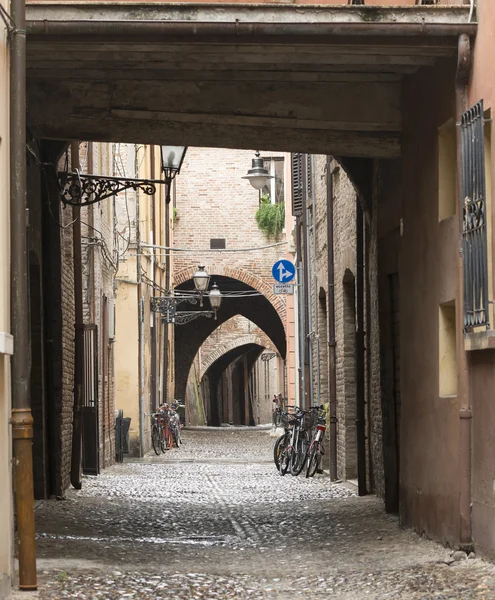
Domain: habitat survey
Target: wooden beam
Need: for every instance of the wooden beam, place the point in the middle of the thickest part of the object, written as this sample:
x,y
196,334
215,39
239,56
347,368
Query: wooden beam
x,y
135,67
241,120
290,50
152,75
358,106
221,60
105,128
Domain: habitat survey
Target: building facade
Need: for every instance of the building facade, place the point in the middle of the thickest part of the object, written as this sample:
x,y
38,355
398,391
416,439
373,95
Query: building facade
x,y
144,356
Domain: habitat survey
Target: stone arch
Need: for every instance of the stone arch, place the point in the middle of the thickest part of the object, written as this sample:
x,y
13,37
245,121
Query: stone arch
x,y
243,275
243,340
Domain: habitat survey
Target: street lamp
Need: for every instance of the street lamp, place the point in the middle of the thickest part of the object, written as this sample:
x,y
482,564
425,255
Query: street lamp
x,y
215,297
201,279
172,158
257,174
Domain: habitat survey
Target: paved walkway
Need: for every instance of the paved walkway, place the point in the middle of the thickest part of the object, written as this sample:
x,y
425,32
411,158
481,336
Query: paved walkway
x,y
214,520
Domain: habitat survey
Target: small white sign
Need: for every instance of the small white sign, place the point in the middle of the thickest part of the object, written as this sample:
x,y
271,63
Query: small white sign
x,y
283,288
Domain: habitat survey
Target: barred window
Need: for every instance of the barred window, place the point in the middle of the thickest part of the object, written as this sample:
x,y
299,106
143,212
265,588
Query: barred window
x,y
476,312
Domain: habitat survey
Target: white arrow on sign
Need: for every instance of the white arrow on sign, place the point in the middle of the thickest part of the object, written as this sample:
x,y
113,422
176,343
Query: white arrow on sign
x,y
283,273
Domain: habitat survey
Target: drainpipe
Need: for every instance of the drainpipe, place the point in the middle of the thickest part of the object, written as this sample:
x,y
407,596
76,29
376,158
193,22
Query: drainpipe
x,y
315,280
154,399
75,467
465,412
140,312
360,389
167,287
22,419
332,367
308,317
300,316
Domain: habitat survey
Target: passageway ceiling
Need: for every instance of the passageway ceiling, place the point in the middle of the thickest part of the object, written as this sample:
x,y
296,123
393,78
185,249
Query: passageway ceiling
x,y
317,78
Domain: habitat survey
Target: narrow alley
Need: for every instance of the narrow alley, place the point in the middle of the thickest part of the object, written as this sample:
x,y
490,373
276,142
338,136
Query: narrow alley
x,y
215,520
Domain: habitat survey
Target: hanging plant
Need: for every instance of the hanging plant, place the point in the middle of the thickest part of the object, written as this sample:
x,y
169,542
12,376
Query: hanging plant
x,y
270,217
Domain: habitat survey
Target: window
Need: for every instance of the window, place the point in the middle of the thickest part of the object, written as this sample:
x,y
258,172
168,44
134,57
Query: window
x,y
274,189
474,229
447,364
217,243
447,170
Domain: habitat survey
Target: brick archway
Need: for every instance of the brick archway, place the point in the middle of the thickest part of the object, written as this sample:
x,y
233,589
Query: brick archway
x,y
243,340
258,283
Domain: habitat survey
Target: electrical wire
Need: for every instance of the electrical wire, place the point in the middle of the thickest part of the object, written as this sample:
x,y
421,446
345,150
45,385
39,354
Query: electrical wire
x,y
174,249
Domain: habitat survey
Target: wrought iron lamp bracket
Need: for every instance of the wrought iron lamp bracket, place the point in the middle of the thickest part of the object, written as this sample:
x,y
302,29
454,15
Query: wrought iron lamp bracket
x,y
167,306
81,189
186,316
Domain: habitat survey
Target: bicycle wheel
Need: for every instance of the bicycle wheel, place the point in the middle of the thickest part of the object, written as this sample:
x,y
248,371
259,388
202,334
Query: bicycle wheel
x,y
299,456
177,437
156,438
279,447
163,442
313,459
169,437
285,459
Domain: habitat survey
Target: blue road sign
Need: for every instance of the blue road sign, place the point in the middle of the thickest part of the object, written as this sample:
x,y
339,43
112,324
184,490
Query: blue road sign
x,y
283,271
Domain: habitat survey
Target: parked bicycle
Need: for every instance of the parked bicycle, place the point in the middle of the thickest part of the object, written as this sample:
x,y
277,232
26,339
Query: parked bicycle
x,y
175,422
278,411
157,433
291,448
316,449
294,454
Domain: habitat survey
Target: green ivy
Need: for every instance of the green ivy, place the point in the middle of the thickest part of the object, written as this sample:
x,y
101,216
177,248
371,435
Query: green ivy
x,y
270,217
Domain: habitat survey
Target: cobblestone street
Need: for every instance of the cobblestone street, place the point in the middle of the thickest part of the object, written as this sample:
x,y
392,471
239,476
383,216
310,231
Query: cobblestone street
x,y
215,520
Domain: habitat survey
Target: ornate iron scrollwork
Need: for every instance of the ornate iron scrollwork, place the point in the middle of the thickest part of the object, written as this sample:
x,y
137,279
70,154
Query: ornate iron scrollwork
x,y
81,189
186,316
167,306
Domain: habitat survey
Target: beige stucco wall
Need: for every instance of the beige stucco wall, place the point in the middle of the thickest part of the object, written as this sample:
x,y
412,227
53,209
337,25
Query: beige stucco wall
x,y
6,526
129,292
126,355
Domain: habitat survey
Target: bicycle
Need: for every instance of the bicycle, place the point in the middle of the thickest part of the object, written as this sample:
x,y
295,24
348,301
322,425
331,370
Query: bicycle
x,y
289,455
167,439
175,424
278,411
283,440
156,432
316,449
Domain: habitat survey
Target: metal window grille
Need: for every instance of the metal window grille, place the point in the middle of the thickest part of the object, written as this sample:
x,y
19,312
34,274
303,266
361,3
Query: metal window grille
x,y
90,426
474,219
90,380
297,184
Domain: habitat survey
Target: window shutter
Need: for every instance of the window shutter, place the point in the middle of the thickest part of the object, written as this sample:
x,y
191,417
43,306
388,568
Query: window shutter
x,y
297,184
309,176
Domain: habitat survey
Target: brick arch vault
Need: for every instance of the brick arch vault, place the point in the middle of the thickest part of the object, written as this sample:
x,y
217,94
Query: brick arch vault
x,y
250,279
267,311
243,340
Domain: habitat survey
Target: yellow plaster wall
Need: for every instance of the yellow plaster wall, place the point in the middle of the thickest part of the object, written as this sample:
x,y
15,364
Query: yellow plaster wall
x,y
126,355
